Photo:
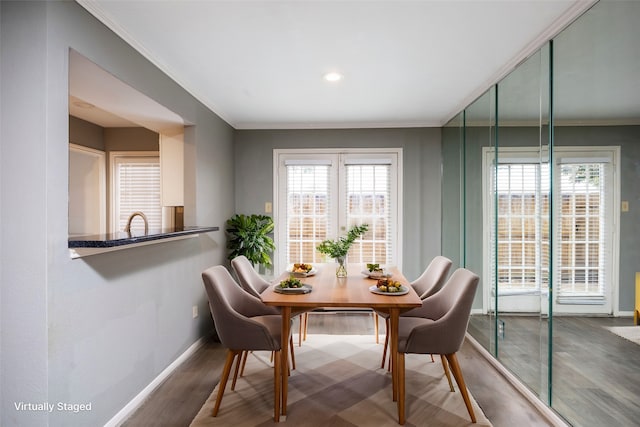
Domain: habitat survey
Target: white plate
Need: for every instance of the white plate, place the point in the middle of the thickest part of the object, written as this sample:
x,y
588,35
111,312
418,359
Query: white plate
x,y
305,289
403,291
376,274
299,274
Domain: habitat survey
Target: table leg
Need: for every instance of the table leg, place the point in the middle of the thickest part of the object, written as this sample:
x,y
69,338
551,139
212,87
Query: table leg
x,y
394,316
284,348
401,390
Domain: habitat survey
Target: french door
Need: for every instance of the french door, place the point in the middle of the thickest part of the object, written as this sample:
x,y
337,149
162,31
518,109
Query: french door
x,y
586,230
519,222
320,194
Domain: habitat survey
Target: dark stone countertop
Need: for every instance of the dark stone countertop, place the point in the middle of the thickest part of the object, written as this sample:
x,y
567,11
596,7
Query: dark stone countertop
x,y
122,238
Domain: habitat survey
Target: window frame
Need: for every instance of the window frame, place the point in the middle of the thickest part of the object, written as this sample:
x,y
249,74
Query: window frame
x,y
114,157
337,157
527,155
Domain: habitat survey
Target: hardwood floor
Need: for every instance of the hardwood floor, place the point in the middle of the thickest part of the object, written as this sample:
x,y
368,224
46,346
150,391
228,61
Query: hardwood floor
x,y
595,375
176,402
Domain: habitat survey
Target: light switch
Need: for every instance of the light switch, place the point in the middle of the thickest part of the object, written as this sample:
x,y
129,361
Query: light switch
x,y
625,206
268,207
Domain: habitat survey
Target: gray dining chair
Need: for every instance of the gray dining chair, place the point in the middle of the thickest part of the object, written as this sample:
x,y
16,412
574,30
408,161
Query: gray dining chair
x,y
430,281
255,284
243,323
439,327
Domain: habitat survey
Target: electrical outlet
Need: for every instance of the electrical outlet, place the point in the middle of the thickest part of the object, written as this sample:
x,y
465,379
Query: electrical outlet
x,y
268,207
194,311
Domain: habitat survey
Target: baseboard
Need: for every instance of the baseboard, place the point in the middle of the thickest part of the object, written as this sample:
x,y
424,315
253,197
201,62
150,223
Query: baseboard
x,y
550,416
135,403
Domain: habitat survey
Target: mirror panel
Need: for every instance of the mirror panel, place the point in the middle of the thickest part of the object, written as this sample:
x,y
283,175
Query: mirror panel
x,y
453,231
479,136
519,242
596,153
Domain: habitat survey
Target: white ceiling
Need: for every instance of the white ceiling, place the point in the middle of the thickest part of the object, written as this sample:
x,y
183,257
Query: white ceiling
x,y
259,64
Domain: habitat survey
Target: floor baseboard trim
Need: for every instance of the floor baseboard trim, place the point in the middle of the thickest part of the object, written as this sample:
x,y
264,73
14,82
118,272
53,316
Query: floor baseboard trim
x,y
554,419
135,403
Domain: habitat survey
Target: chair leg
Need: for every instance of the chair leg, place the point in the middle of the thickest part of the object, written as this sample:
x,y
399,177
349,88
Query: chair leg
x,y
432,360
401,388
306,324
457,374
223,379
276,387
293,356
386,344
300,327
445,365
237,370
244,362
375,326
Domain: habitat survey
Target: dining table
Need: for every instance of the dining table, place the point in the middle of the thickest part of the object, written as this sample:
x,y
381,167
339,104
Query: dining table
x,y
356,290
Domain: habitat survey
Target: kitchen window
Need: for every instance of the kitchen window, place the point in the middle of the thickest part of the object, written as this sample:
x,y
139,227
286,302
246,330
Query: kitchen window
x,y
135,187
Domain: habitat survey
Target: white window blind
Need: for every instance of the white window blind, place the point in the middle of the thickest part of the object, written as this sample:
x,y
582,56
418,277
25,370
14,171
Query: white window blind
x,y
136,187
308,207
585,217
520,253
368,195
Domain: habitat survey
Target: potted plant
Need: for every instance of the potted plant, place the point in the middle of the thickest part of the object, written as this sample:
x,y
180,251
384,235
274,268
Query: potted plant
x,y
249,236
339,248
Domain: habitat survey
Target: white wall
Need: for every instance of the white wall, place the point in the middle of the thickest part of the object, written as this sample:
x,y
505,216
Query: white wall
x,y
99,329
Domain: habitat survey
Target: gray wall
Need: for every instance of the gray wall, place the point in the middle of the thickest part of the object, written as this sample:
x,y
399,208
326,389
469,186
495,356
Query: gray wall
x,y
99,329
87,134
422,177
131,139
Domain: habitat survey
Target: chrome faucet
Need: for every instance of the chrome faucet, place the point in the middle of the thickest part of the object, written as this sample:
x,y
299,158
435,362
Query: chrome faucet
x,y
127,229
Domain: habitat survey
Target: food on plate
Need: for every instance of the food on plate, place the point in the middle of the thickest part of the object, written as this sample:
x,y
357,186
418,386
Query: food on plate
x,y
291,282
389,285
300,267
374,268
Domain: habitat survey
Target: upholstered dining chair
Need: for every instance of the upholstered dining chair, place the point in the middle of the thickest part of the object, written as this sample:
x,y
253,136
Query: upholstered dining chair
x,y
429,282
439,329
243,323
255,284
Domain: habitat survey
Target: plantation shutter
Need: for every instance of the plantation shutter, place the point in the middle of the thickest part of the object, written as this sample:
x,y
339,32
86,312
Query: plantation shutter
x,y
137,189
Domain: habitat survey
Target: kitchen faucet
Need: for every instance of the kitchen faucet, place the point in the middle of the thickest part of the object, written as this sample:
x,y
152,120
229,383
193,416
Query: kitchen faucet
x,y
127,229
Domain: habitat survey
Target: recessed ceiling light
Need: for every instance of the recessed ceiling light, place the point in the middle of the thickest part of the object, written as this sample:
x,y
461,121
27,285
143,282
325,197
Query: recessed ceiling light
x,y
333,77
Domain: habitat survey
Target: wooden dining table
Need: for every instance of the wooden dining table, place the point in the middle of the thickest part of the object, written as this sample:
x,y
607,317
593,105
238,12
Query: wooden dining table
x,y
351,291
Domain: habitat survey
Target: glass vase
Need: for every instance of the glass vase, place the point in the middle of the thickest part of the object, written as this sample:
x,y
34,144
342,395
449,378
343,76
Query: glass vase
x,y
341,271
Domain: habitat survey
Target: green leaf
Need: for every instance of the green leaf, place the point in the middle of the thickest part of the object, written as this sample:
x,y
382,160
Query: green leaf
x,y
248,235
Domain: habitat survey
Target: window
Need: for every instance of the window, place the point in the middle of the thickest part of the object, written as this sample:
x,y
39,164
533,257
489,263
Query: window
x,y
522,230
321,194
135,187
585,226
584,191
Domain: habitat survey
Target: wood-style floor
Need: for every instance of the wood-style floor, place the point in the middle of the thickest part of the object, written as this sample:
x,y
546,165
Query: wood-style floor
x,y
178,399
595,374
